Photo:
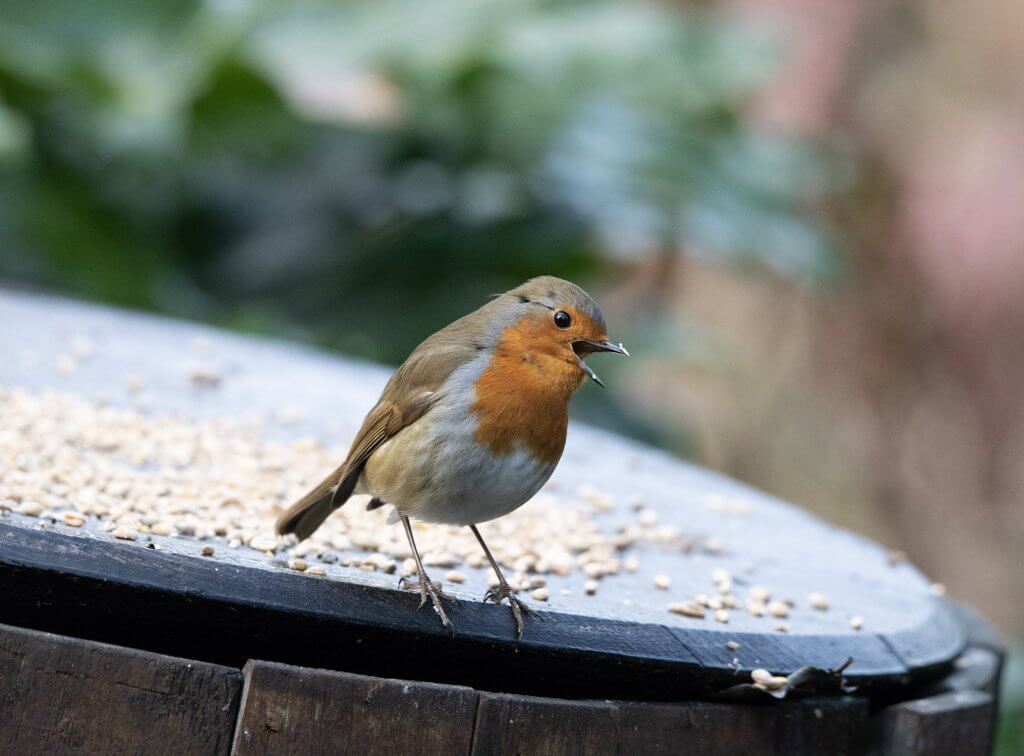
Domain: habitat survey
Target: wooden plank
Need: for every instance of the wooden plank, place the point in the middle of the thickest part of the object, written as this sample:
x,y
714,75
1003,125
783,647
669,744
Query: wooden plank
x,y
835,726
976,669
64,695
508,724
293,710
951,724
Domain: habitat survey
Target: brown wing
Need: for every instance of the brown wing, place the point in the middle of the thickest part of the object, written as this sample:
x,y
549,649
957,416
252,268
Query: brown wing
x,y
384,421
412,390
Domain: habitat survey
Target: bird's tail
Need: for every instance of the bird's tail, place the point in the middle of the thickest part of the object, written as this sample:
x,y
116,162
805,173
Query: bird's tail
x,y
309,512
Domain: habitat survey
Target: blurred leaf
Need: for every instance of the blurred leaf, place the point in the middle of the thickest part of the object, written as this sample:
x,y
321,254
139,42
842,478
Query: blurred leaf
x,y
326,169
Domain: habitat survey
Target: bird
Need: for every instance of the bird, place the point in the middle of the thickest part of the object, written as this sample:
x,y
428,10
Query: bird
x,y
471,425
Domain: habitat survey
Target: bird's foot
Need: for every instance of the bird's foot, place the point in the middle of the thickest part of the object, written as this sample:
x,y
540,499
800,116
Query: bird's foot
x,y
422,586
432,590
501,592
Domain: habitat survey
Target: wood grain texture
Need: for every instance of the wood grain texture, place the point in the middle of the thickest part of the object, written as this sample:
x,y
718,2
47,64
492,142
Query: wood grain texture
x,y
620,643
950,724
292,710
525,725
836,726
62,695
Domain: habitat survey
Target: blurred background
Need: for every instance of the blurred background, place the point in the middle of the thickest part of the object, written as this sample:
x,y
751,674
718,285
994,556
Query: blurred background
x,y
805,217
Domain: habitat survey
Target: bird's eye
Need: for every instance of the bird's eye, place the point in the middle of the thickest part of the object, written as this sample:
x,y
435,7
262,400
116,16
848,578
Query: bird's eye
x,y
562,319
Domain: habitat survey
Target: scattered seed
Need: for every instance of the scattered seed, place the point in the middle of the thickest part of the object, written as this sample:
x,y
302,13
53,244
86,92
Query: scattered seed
x,y
778,609
440,559
714,545
721,616
73,519
817,601
782,627
264,542
720,575
315,571
454,576
299,565
766,680
759,593
687,609
541,594
662,582
140,472
732,645
204,375
30,508
856,622
937,589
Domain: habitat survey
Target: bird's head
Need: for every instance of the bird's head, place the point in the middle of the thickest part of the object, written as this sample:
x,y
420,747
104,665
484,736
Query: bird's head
x,y
559,321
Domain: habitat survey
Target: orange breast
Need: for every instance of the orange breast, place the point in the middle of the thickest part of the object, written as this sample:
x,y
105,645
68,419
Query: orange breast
x,y
523,394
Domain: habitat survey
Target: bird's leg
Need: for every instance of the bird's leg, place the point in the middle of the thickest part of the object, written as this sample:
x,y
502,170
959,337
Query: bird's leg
x,y
504,590
426,586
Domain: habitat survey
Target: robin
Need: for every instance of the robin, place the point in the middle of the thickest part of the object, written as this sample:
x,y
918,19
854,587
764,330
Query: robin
x,y
472,424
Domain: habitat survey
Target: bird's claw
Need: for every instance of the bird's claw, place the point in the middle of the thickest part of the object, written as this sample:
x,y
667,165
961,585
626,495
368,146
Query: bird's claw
x,y
418,585
432,590
519,607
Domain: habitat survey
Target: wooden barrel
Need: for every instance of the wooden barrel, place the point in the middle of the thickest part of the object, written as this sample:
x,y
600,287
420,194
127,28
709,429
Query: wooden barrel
x,y
178,643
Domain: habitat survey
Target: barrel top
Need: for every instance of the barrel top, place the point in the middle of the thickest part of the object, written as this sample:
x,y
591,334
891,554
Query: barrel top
x,y
704,531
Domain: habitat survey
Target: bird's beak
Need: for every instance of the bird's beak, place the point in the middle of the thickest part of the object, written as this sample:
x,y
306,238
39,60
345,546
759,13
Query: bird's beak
x,y
602,346
589,347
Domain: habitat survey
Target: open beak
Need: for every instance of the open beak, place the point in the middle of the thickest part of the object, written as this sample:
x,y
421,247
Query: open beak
x,y
589,347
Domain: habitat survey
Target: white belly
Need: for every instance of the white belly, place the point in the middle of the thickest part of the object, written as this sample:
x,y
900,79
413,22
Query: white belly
x,y
435,471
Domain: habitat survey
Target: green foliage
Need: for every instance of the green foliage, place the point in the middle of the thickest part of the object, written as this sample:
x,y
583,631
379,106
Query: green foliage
x,y
1010,736
343,166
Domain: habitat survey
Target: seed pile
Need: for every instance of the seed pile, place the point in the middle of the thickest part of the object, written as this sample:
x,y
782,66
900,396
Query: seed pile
x,y
70,459
134,475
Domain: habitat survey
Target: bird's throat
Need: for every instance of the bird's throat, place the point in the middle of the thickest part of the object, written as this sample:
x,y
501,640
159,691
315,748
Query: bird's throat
x,y
522,396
